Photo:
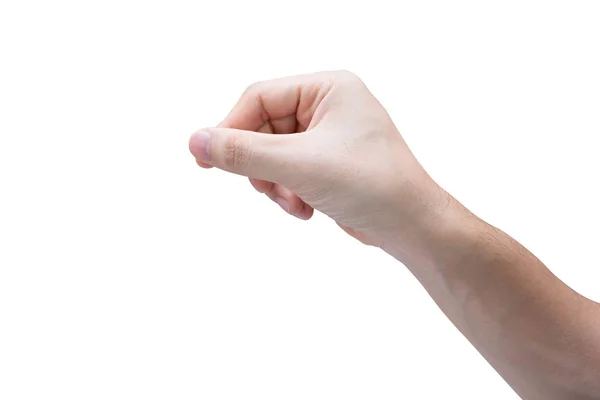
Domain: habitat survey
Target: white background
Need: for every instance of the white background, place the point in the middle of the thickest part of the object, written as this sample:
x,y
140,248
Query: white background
x,y
127,272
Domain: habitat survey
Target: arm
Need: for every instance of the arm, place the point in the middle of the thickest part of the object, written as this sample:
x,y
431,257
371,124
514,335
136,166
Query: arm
x,y
539,334
322,141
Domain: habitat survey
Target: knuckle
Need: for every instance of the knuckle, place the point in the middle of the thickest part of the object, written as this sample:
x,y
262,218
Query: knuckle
x,y
346,76
252,89
236,153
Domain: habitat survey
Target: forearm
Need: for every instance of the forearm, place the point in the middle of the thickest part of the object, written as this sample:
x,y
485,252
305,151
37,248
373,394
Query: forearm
x,y
540,335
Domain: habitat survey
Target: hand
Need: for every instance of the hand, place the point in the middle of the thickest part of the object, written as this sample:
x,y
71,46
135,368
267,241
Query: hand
x,y
322,141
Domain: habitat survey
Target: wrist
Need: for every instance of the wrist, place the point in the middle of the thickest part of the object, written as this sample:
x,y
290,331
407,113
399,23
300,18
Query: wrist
x,y
431,229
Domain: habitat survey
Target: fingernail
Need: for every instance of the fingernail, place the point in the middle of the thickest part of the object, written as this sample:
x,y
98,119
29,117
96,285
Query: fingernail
x,y
283,203
199,144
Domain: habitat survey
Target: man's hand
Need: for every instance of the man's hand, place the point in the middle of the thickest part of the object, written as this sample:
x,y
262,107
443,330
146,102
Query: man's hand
x,y
322,141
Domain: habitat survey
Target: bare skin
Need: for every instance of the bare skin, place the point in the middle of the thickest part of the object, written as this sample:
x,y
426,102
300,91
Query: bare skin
x,y
322,141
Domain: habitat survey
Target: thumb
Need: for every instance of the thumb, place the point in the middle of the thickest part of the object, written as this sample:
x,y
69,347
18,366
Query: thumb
x,y
270,157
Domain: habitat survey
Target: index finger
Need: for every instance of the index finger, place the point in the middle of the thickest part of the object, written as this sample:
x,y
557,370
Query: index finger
x,y
288,104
